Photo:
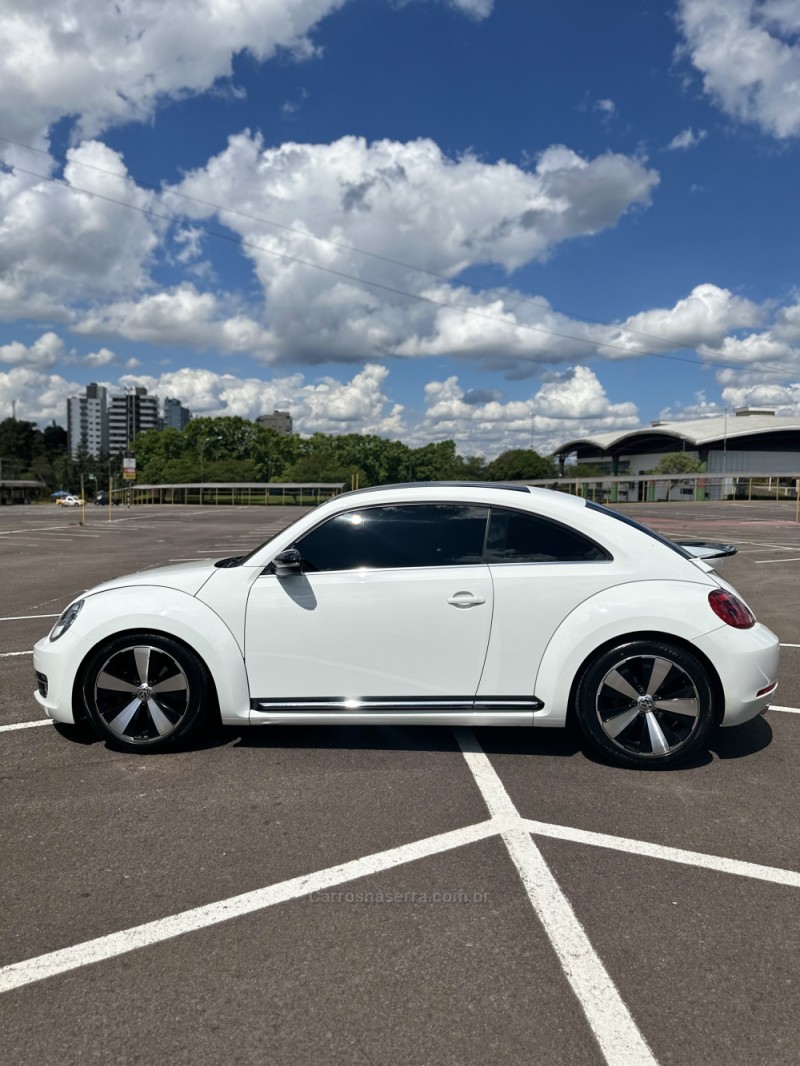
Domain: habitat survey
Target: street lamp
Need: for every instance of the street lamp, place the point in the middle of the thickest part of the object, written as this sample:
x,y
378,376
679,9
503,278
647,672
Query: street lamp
x,y
203,443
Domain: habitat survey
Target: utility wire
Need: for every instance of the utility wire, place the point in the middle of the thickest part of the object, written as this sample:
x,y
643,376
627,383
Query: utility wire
x,y
394,290
342,245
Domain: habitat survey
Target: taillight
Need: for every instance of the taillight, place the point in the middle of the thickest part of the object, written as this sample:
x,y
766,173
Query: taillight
x,y
731,609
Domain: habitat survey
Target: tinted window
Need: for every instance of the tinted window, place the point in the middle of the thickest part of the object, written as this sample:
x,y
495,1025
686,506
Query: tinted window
x,y
404,535
525,538
638,525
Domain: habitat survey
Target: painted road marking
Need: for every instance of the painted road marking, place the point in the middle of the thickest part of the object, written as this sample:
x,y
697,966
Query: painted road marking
x,y
139,936
719,863
20,617
25,725
620,1039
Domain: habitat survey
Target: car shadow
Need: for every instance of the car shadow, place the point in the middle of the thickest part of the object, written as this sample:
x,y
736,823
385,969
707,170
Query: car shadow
x,y
566,743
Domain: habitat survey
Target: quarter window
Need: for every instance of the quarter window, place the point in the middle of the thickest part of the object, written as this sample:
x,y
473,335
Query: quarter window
x,y
404,535
523,538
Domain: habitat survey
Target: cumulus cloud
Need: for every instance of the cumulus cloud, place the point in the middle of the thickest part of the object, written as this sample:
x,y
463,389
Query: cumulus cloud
x,y
45,352
700,320
749,56
112,63
59,245
39,396
404,203
178,316
783,399
327,405
570,404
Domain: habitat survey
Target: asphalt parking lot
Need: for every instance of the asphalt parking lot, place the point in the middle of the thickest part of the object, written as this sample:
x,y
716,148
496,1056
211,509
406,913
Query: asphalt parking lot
x,y
386,896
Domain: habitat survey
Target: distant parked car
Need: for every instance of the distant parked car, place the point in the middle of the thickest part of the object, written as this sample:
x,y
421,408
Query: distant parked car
x,y
101,499
69,501
448,604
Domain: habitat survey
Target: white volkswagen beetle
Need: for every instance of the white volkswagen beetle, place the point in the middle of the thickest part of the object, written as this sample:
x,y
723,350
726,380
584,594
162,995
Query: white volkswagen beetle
x,y
437,604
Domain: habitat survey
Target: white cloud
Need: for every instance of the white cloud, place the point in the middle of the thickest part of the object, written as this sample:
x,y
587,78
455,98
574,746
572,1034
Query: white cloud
x,y
59,245
700,320
784,399
404,202
39,397
686,139
49,350
327,405
570,404
110,63
478,9
749,56
44,352
178,316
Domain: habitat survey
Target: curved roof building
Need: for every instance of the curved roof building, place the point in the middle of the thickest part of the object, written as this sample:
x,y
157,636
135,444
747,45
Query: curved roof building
x,y
751,441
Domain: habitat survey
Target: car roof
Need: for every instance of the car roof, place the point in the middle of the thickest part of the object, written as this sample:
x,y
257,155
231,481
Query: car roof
x,y
417,485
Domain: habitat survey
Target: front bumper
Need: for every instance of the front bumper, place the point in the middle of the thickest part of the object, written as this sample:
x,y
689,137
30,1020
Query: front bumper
x,y
58,661
747,663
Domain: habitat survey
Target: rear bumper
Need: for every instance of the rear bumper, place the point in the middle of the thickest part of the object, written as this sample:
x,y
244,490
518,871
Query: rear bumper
x,y
747,663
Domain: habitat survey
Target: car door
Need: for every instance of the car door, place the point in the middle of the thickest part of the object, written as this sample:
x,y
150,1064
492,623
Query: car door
x,y
541,571
393,604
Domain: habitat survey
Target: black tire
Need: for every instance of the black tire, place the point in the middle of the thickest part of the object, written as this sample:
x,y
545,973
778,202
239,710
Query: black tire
x,y
646,704
144,692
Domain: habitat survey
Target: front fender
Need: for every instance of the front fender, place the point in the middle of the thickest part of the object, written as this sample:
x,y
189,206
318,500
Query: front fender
x,y
151,608
658,608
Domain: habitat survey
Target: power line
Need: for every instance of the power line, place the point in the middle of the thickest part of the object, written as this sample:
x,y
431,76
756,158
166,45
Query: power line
x,y
342,245
394,290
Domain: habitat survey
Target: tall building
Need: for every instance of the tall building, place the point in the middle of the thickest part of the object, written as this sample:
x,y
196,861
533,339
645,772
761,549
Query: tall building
x,y
129,415
176,416
87,422
280,421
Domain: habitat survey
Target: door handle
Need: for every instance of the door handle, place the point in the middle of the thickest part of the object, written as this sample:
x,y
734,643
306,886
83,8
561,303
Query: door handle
x,y
465,599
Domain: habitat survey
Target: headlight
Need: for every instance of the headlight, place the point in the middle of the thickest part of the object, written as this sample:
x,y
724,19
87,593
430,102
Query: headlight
x,y
66,620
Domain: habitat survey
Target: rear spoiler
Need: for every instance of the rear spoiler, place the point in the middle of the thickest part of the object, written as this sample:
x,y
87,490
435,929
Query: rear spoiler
x,y
706,549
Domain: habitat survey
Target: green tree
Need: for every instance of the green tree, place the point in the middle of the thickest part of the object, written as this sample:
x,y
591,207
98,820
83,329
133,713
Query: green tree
x,y
519,464
678,463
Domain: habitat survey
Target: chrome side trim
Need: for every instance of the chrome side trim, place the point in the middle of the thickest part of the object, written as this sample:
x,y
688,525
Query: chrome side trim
x,y
452,710
259,716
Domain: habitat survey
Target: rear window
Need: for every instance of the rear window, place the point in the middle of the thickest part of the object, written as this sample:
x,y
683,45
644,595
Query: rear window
x,y
515,537
638,525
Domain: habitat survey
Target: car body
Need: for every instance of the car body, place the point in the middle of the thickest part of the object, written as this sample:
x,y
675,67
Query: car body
x,y
438,603
69,501
101,500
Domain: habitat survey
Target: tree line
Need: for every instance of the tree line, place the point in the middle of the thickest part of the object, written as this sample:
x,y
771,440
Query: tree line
x,y
234,449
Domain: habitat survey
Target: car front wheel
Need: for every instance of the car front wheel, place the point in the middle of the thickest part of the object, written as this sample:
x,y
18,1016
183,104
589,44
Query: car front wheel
x,y
646,704
144,692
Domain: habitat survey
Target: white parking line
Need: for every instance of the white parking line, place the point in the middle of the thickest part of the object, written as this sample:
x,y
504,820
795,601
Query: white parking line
x,y
718,863
787,710
790,645
25,725
7,654
139,936
620,1039
20,617
763,562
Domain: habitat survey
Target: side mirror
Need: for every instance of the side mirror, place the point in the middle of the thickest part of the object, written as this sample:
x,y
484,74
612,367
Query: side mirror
x,y
288,562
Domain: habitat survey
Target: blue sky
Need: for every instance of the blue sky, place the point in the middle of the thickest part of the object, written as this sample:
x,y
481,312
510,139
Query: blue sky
x,y
499,221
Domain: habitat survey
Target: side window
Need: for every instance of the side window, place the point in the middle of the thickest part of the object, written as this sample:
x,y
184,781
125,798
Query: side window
x,y
402,535
525,538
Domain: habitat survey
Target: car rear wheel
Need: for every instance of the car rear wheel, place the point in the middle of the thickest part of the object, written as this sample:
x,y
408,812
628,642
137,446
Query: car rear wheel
x,y
144,692
646,704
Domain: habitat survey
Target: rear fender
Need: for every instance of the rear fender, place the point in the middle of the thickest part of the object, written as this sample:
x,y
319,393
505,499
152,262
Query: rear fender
x,y
660,609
